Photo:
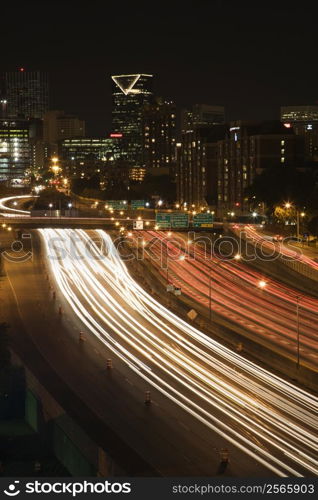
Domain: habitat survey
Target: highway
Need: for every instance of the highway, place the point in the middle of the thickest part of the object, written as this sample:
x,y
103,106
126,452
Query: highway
x,y
232,289
268,419
254,235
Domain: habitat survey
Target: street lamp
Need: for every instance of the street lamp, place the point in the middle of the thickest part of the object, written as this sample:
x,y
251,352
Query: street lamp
x,y
262,284
298,298
210,291
298,215
50,207
236,257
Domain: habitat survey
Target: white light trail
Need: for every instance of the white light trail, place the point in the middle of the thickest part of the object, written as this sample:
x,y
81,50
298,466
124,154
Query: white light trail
x,y
191,369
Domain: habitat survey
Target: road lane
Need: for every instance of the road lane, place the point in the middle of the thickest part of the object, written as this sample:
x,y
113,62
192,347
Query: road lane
x,y
195,372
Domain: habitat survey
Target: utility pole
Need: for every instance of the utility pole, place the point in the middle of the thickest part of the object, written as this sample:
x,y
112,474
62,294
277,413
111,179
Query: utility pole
x,y
297,222
298,347
210,296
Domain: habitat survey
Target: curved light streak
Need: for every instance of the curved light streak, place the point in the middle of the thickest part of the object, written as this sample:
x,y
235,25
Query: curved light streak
x,y
242,402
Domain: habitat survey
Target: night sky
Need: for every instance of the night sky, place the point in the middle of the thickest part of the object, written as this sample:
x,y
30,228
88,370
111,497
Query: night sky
x,y
249,56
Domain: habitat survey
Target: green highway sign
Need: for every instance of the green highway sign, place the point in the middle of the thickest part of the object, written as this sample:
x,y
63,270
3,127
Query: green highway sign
x,y
137,204
179,220
163,221
202,220
117,204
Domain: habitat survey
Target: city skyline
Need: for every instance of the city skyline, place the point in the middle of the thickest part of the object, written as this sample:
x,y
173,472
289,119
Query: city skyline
x,y
223,53
159,248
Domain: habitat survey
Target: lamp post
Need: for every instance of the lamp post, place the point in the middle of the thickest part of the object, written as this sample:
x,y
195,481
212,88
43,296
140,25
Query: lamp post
x,y
50,207
236,257
262,284
298,215
298,346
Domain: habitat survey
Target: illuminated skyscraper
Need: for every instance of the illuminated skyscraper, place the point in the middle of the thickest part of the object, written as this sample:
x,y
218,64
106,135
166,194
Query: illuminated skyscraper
x,y
14,149
159,135
27,93
130,94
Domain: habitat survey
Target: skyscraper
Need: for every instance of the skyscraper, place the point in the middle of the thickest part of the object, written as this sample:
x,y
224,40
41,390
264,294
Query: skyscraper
x,y
130,94
27,94
159,135
14,149
197,165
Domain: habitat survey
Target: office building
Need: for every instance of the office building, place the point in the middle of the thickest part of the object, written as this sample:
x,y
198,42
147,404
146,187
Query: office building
x,y
38,150
130,94
247,150
197,165
89,154
57,125
14,150
201,115
26,93
159,136
304,121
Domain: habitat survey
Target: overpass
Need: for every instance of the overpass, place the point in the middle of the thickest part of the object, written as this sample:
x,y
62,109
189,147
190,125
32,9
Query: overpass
x,y
12,216
25,221
66,222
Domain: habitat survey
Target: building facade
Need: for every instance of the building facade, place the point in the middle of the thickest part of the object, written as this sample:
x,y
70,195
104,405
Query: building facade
x,y
14,150
159,136
304,121
247,150
82,156
26,94
130,93
201,115
197,165
57,126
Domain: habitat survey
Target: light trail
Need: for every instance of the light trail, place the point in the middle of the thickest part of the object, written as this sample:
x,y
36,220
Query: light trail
x,y
269,314
279,247
3,205
185,365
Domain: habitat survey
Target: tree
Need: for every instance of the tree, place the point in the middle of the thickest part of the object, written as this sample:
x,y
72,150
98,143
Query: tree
x,y
282,214
275,186
313,226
